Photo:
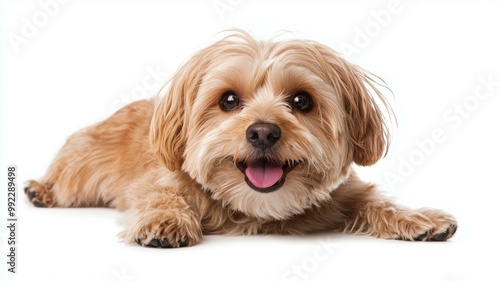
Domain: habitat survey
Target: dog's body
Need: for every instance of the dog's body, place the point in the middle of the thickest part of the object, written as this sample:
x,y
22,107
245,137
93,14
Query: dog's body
x,y
251,137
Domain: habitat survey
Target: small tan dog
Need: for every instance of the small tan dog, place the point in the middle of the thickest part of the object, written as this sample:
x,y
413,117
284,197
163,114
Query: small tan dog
x,y
249,137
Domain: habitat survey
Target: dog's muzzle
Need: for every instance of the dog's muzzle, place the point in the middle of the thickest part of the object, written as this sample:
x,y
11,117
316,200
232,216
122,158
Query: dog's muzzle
x,y
261,174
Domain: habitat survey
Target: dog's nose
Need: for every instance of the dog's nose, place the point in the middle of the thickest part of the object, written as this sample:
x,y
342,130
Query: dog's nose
x,y
263,135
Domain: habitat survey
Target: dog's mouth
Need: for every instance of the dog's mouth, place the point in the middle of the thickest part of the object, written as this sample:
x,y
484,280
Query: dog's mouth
x,y
263,175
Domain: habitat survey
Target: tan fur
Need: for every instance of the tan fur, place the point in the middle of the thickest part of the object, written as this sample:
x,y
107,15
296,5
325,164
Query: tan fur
x,y
170,162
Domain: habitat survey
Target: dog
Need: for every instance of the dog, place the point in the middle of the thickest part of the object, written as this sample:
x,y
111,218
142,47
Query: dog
x,y
248,137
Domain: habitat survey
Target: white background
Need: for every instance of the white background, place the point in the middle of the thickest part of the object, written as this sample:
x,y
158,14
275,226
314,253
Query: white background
x,y
81,60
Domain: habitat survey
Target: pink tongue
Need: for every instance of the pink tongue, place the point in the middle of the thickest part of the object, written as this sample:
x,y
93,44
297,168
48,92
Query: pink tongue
x,y
263,174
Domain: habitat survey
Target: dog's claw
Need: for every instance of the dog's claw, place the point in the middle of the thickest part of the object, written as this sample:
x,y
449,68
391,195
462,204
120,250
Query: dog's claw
x,y
31,195
429,236
38,204
423,236
154,243
452,229
441,236
165,243
447,234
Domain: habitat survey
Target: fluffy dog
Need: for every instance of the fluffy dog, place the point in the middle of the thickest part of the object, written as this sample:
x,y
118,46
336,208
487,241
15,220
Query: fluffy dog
x,y
248,137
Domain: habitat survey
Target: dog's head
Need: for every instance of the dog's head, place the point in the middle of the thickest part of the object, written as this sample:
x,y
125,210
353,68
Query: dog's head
x,y
268,128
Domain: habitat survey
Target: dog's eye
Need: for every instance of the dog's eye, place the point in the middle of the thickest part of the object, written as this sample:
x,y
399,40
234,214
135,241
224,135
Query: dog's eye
x,y
302,101
229,101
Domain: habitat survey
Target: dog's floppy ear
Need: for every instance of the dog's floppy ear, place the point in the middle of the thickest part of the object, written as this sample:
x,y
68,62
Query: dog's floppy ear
x,y
365,122
170,122
168,131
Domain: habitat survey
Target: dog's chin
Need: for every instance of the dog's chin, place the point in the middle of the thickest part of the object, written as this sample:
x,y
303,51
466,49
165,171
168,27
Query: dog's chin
x,y
278,191
263,175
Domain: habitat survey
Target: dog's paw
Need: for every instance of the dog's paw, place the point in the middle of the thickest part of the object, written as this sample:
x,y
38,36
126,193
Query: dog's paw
x,y
163,229
427,225
40,195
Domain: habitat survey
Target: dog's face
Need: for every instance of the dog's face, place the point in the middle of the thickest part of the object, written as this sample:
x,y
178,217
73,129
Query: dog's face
x,y
268,128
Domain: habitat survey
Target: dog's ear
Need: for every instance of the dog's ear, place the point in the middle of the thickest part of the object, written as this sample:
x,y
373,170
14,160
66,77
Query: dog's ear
x,y
365,122
169,125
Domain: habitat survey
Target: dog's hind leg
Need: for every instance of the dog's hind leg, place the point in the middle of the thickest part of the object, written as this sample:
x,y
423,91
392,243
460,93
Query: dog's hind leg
x,y
65,181
98,163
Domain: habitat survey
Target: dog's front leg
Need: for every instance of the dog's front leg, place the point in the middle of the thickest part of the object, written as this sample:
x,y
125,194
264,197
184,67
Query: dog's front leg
x,y
357,207
368,212
161,217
